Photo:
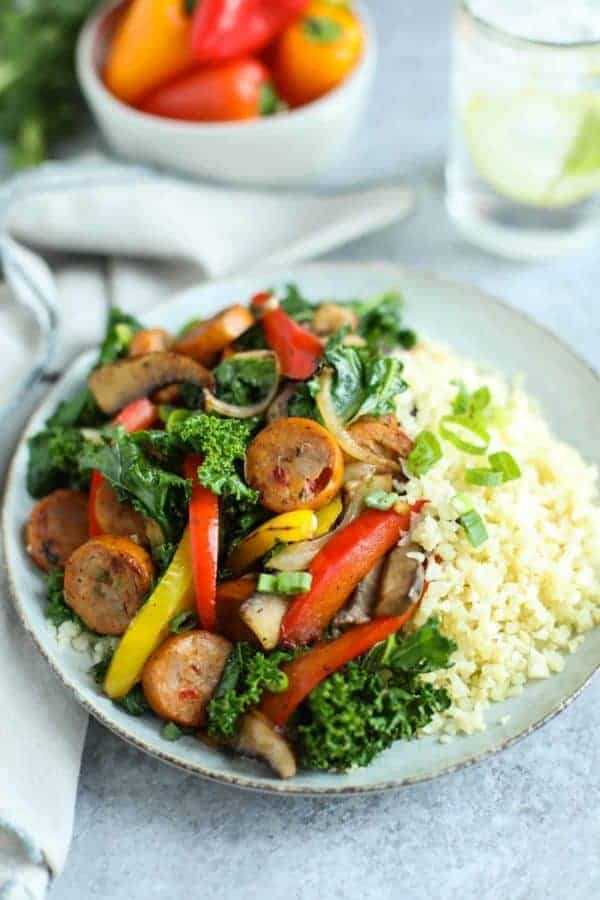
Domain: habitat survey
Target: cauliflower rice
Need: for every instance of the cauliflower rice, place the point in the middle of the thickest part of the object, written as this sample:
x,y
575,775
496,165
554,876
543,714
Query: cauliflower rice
x,y
521,601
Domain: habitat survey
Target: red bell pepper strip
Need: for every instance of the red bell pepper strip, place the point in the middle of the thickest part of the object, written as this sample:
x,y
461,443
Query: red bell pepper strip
x,y
136,416
297,349
337,569
227,29
204,532
306,672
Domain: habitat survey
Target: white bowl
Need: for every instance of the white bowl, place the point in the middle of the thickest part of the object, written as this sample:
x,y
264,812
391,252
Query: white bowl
x,y
283,149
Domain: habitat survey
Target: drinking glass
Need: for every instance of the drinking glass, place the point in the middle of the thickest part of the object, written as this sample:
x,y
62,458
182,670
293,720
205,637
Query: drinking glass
x,y
523,171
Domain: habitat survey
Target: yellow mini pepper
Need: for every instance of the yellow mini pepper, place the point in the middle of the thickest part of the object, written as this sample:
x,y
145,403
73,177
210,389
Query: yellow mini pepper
x,y
173,594
287,528
327,515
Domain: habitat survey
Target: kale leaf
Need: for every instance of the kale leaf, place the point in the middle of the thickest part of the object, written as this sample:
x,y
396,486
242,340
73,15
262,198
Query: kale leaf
x,y
361,710
153,491
248,674
380,323
57,610
244,381
222,443
135,702
54,461
364,383
296,305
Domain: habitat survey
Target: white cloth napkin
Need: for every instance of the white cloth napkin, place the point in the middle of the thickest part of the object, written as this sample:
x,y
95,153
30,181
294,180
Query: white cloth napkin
x,y
75,239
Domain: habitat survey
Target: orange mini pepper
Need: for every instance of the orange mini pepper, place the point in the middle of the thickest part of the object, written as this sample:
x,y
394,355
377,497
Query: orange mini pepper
x,y
151,45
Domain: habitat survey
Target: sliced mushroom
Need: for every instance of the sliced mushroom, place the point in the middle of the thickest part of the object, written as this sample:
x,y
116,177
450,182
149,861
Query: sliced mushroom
x,y
117,384
257,737
402,581
263,614
359,608
383,437
330,317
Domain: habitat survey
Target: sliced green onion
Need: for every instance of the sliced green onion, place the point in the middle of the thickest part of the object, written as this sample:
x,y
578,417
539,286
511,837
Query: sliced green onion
x,y
480,400
284,583
381,499
465,424
425,453
484,477
505,463
474,526
185,621
460,404
462,503
170,731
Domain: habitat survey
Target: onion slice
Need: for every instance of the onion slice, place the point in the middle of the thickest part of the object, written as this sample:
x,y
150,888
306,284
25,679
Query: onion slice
x,y
333,424
214,404
296,557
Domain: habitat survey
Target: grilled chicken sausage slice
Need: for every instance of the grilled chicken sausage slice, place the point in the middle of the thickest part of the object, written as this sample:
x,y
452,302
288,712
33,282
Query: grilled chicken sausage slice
x,y
206,340
180,677
58,524
295,464
149,340
381,436
119,383
106,581
118,518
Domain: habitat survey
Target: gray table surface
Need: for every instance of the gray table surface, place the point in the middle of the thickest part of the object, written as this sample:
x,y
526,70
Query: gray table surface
x,y
525,824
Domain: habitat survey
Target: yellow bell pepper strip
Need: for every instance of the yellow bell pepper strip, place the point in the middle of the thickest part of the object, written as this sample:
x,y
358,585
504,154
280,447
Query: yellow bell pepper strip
x,y
327,515
287,528
173,594
150,46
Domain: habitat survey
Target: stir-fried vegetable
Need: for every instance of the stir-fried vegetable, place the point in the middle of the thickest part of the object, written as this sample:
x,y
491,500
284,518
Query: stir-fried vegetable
x,y
284,529
204,535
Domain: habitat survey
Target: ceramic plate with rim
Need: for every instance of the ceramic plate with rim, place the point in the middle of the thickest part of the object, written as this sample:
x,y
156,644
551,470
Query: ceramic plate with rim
x,y
473,324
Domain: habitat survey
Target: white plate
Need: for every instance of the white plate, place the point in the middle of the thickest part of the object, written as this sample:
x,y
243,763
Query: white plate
x,y
475,325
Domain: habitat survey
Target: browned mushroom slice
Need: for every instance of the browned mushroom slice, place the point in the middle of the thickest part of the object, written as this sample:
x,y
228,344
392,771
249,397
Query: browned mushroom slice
x,y
330,317
382,436
402,581
257,737
359,608
117,384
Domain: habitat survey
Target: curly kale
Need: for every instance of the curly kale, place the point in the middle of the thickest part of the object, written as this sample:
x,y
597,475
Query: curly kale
x,y
57,610
222,443
361,710
54,461
152,490
380,323
248,674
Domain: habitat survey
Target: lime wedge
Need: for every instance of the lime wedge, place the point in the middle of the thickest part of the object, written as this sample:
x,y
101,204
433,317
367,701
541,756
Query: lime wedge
x,y
528,146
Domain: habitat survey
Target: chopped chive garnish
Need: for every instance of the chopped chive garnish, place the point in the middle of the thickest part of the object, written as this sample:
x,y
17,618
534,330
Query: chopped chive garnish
x,y
284,583
462,503
484,477
381,499
453,429
474,527
424,454
506,464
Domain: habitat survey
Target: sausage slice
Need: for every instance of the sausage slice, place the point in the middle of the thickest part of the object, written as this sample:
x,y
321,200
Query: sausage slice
x,y
180,677
58,524
149,340
206,340
295,464
118,518
381,436
106,581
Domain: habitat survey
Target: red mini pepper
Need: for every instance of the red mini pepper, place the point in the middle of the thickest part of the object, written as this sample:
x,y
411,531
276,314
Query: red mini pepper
x,y
227,29
204,532
136,416
297,349
337,569
306,672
